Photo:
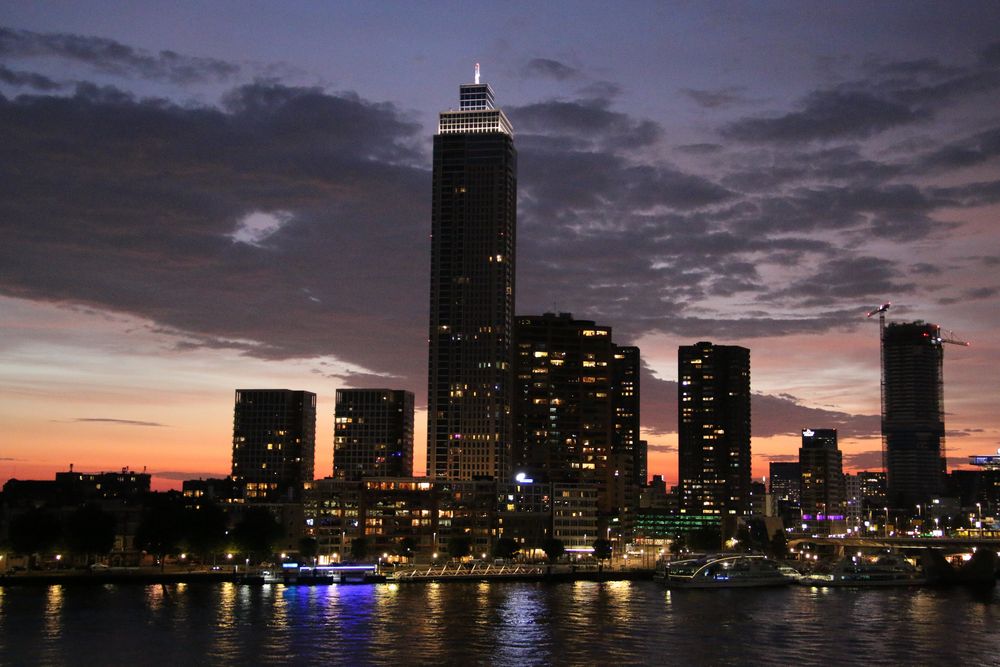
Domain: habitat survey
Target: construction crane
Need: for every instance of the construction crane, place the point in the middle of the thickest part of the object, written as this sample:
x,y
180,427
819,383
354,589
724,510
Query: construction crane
x,y
949,338
880,311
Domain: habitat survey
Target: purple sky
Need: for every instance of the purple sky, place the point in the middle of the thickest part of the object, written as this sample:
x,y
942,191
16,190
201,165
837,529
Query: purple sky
x,y
198,199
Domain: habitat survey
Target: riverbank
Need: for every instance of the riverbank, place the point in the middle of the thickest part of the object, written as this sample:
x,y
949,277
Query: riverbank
x,y
147,576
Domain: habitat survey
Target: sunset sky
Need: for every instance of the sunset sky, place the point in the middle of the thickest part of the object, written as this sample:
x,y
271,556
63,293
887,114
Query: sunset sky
x,y
200,197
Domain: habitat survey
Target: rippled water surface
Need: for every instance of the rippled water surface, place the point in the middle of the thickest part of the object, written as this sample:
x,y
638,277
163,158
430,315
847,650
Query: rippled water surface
x,y
497,623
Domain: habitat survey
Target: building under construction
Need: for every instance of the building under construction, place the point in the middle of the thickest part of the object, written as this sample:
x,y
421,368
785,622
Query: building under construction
x,y
913,412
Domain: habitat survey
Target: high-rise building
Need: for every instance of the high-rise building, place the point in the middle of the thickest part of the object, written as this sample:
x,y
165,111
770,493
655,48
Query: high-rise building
x,y
274,443
872,485
786,480
373,433
627,444
714,429
564,405
913,423
576,408
473,221
821,463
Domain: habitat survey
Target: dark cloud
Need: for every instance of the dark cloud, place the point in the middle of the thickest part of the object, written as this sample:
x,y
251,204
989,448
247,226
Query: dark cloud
x,y
28,79
119,422
662,449
131,205
780,458
109,56
964,433
722,98
925,269
553,69
772,415
967,152
590,119
183,476
700,149
858,278
826,115
990,56
867,460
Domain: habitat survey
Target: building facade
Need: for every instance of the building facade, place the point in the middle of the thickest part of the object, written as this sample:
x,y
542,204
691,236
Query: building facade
x,y
274,443
563,400
786,479
373,433
576,408
913,423
473,221
714,429
822,487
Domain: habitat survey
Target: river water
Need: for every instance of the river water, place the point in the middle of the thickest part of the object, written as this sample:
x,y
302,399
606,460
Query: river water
x,y
582,623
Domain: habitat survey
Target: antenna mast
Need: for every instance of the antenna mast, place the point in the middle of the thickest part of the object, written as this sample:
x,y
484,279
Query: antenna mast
x,y
477,73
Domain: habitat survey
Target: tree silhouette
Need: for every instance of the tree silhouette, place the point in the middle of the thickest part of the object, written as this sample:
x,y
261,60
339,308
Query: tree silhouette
x,y
406,547
459,546
90,532
37,531
204,529
602,549
308,548
161,529
553,548
256,533
359,548
506,547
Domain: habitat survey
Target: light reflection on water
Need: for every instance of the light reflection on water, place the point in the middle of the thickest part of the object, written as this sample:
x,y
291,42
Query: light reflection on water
x,y
496,623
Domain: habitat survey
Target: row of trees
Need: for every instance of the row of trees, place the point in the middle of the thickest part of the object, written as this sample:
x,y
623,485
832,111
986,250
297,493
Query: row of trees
x,y
166,527
86,532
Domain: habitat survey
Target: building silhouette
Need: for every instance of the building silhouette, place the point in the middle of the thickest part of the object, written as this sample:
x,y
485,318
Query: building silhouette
x,y
473,220
274,443
786,480
714,429
913,422
373,433
628,450
822,477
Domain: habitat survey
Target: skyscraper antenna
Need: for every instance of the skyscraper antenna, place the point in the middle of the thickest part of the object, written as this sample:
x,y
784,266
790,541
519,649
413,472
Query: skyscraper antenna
x,y
477,73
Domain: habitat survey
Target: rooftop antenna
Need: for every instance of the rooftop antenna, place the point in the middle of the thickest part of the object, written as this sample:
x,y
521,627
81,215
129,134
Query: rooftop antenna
x,y
477,74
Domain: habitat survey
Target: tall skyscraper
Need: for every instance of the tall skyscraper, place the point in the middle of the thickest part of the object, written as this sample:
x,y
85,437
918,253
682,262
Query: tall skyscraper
x,y
821,463
714,429
913,423
473,221
373,433
627,444
274,443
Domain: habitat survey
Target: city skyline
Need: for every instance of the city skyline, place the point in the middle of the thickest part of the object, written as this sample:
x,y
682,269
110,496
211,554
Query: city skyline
x,y
189,213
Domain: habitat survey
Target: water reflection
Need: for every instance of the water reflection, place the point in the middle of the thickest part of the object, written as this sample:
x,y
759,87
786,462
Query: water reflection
x,y
496,623
53,611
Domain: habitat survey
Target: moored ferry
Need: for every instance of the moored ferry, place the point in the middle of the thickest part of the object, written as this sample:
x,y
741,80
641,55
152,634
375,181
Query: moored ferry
x,y
886,570
725,571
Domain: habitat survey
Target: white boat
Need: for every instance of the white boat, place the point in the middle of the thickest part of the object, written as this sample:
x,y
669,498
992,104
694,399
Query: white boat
x,y
886,570
725,571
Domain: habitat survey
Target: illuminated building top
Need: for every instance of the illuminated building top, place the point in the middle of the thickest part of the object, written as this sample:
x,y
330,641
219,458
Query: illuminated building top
x,y
476,112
